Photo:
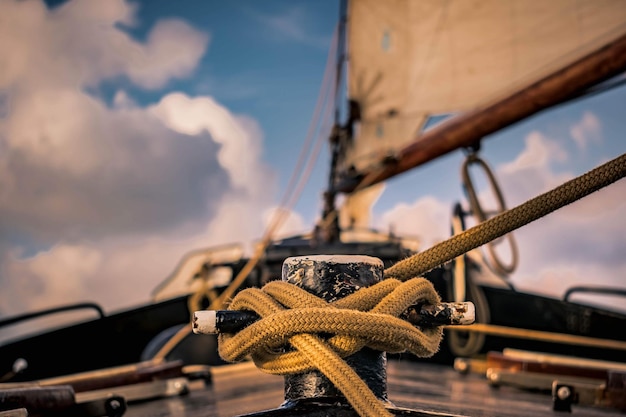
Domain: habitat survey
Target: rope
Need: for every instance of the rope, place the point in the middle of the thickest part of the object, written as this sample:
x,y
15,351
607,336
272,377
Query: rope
x,y
510,220
293,317
570,339
495,264
291,195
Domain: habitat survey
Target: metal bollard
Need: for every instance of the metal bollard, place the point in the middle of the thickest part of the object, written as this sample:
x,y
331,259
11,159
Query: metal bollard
x,y
332,277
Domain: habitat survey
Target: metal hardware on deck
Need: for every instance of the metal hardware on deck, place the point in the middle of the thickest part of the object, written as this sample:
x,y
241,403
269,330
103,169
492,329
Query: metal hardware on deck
x,y
616,389
50,311
58,400
232,321
536,380
460,313
141,391
118,376
594,290
104,392
570,380
466,366
109,406
563,396
331,277
566,390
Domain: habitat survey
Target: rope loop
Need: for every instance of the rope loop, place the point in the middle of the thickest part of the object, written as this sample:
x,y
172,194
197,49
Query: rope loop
x,y
499,266
369,317
300,332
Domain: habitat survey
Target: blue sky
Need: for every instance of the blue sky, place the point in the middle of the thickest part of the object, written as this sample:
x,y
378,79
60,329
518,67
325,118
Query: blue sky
x,y
265,60
132,133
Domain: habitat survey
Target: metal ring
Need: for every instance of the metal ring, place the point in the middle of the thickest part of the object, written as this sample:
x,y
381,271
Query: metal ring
x,y
480,215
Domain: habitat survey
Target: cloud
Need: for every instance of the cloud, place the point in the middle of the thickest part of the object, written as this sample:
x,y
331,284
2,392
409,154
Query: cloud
x,y
588,129
583,242
76,168
580,243
65,268
426,218
80,44
240,150
289,223
100,201
530,172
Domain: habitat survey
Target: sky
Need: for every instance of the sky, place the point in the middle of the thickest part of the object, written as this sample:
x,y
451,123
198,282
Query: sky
x,y
134,132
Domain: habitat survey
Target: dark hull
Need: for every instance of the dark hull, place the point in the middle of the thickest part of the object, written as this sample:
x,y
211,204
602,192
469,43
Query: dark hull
x,y
113,340
136,334
415,387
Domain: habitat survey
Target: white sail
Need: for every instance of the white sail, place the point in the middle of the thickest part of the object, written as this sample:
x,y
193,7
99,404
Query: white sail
x,y
412,59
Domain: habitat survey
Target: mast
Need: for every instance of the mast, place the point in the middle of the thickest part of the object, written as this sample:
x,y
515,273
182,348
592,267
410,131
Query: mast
x,y
467,129
328,229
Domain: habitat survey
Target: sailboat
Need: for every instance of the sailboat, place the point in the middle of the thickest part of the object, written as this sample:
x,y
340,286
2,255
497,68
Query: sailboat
x,y
474,67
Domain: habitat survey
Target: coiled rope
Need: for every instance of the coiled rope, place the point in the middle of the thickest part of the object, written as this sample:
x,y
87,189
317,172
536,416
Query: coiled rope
x,y
293,317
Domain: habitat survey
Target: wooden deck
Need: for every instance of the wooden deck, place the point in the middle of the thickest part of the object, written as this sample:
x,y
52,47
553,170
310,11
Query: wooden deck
x,y
241,389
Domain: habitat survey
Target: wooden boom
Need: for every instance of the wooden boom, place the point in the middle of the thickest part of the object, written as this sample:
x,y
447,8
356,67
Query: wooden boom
x,y
468,128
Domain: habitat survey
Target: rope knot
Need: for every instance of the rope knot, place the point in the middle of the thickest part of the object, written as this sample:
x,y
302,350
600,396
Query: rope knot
x,y
370,317
300,332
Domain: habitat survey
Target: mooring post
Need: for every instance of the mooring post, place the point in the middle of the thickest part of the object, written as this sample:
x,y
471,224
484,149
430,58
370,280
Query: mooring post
x,y
332,277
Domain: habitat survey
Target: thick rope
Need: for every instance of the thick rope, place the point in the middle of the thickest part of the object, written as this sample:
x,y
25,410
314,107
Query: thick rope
x,y
292,193
510,220
284,341
498,266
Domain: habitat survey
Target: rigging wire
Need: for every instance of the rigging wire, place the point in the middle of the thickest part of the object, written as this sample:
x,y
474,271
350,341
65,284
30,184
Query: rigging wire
x,y
297,182
292,192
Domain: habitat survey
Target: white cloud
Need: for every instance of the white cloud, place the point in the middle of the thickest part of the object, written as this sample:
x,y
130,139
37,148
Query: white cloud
x,y
74,168
529,174
426,218
587,130
58,272
100,202
582,243
240,150
289,222
79,44
121,100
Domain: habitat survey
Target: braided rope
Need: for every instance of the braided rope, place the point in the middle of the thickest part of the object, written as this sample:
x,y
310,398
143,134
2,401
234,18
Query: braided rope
x,y
510,220
291,317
